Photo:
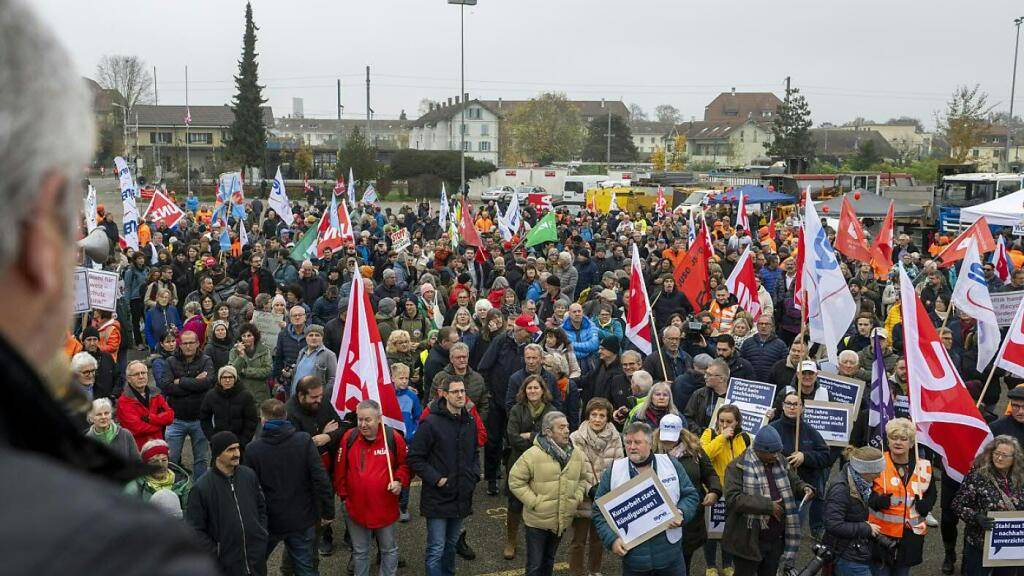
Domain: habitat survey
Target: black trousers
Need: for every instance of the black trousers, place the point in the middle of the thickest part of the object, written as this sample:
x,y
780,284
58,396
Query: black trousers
x,y
541,547
497,422
771,553
949,518
138,315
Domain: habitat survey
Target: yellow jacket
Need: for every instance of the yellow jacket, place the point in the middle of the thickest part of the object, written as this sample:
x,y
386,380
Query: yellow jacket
x,y
721,451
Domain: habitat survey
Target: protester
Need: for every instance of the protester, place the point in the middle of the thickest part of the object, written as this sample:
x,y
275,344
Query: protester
x,y
189,379
806,452
846,511
229,406
723,444
104,430
227,510
251,359
141,409
163,475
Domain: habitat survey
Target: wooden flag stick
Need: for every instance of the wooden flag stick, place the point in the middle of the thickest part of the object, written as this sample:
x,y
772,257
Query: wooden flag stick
x,y
654,333
387,451
949,312
988,381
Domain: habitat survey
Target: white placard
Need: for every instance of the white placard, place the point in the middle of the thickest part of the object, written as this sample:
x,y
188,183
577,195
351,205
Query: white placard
x,y
82,291
103,289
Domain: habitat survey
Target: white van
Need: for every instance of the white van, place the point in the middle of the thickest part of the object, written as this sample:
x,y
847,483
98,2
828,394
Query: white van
x,y
575,188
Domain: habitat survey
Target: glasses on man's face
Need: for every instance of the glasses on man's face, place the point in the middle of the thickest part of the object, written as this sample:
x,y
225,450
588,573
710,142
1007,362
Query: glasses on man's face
x,y
88,372
791,404
461,392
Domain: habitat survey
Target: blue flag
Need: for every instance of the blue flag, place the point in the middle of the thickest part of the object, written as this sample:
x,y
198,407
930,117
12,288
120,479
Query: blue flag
x,y
334,212
225,241
881,408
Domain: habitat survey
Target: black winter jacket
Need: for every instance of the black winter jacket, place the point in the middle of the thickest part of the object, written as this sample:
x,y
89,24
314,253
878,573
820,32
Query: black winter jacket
x,y
437,359
109,381
763,355
817,457
515,382
314,424
292,476
503,359
444,446
846,517
230,517
233,409
606,381
219,351
186,397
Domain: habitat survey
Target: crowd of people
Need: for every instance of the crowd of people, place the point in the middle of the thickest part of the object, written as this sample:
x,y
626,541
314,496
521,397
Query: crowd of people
x,y
511,366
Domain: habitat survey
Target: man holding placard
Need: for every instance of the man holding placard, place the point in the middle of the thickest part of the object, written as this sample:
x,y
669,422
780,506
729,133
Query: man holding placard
x,y
806,452
645,528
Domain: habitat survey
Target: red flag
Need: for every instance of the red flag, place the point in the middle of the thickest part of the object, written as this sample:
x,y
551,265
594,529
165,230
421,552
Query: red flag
x,y
328,236
881,250
956,249
541,201
941,407
771,225
1011,355
467,231
162,211
659,206
850,238
691,274
339,187
305,184
742,284
363,371
741,214
798,282
638,316
1001,260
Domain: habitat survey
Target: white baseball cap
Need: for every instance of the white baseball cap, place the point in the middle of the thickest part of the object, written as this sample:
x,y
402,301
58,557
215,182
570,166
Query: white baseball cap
x,y
670,428
809,366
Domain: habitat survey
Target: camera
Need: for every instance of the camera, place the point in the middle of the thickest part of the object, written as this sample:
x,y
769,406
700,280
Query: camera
x,y
695,326
822,555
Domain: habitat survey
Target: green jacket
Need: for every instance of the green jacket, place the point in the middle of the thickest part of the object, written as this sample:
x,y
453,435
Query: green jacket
x,y
739,539
476,389
253,371
182,486
521,421
549,493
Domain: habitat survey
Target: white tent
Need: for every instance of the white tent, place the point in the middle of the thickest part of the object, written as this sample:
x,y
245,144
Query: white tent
x,y
1004,211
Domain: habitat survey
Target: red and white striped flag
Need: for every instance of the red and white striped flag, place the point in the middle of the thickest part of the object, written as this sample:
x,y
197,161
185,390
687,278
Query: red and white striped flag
x,y
638,317
188,116
741,214
659,206
1001,260
742,284
363,371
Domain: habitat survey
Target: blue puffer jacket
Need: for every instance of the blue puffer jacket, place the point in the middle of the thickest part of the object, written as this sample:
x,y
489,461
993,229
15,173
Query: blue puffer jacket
x,y
585,340
657,553
762,355
134,282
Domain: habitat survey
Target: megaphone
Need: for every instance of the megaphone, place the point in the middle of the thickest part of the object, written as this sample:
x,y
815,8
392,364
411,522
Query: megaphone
x,y
96,245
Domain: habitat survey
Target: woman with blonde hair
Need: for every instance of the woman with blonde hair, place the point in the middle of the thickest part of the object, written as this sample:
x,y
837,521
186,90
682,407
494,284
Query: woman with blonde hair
x,y
741,326
995,483
672,438
655,406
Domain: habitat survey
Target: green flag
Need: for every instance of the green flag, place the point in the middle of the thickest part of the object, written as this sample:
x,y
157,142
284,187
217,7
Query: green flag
x,y
544,231
298,253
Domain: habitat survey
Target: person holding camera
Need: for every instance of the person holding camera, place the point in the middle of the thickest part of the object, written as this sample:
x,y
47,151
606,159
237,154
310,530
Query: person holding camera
x,y
848,533
995,483
903,496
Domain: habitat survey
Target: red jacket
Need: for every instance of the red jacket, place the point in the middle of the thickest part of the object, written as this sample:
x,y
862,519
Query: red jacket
x,y
481,430
361,479
144,422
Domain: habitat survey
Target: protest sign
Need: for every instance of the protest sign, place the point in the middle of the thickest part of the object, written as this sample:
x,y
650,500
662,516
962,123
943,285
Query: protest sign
x,y
831,419
267,322
639,509
82,291
751,392
901,404
842,389
1005,305
1004,543
400,240
754,417
103,289
163,211
714,520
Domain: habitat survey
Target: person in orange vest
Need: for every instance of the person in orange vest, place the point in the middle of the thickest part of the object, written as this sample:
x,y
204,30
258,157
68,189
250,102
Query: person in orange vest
x,y
902,498
144,233
110,332
676,254
71,345
939,245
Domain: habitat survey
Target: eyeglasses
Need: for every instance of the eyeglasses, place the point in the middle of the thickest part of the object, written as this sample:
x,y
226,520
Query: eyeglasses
x,y
89,371
791,404
457,392
1001,456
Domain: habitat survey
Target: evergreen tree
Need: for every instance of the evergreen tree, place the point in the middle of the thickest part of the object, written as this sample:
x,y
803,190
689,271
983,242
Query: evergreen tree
x,y
791,137
358,156
247,138
596,148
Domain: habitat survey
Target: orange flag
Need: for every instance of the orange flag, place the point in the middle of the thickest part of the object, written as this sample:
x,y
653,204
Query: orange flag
x,y
881,250
957,249
850,238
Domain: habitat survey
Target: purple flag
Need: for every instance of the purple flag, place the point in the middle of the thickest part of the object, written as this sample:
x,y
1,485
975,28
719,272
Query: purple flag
x,y
881,409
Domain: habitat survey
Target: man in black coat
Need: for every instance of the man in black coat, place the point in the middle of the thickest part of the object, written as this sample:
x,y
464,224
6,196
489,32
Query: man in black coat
x,y
739,367
227,510
294,483
443,454
503,358
764,348
258,278
533,364
108,378
608,380
670,301
185,384
1013,423
437,358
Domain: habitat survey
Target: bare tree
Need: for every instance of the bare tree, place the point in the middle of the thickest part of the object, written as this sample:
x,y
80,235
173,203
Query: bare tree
x,y
964,121
667,113
129,77
636,113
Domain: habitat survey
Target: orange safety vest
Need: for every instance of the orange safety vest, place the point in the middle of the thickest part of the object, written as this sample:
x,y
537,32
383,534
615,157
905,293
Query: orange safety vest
x,y
901,512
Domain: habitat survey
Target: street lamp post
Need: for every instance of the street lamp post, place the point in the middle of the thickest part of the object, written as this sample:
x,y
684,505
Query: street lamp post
x,y
462,92
1013,88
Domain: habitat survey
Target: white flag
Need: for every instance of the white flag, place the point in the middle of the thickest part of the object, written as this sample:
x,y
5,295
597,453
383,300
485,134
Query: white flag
x,y
442,216
128,195
243,236
90,209
971,295
279,200
830,306
691,231
370,195
351,188
512,220
613,204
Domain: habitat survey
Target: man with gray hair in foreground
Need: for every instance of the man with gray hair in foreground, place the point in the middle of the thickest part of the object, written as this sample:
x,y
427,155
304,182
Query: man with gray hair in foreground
x,y
55,480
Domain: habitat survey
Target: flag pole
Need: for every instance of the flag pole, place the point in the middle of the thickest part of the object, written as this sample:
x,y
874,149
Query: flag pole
x,y
387,451
654,332
949,312
988,381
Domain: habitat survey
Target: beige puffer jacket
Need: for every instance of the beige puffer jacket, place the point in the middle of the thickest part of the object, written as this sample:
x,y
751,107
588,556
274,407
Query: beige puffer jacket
x,y
600,450
549,493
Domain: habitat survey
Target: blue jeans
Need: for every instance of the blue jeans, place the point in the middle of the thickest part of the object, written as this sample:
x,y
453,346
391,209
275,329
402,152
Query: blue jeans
x,y
299,546
361,540
846,568
674,568
442,534
403,499
175,437
541,547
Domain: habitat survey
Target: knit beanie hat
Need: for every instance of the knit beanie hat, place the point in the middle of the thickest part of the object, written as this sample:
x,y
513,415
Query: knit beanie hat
x,y
167,501
768,440
867,460
611,344
221,441
90,332
154,448
387,306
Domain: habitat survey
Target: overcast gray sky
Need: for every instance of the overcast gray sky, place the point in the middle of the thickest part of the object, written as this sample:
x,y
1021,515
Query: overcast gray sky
x,y
872,58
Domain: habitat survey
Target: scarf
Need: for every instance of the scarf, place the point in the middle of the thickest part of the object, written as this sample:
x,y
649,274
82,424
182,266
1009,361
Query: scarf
x,y
859,485
105,436
654,414
755,483
561,455
155,484
535,410
597,441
